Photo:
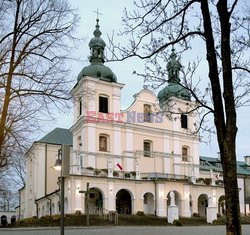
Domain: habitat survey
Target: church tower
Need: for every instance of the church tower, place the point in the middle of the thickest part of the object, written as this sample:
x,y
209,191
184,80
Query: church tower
x,y
96,94
175,101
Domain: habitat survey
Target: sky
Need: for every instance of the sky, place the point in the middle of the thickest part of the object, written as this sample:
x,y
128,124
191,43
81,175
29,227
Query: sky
x,y
110,21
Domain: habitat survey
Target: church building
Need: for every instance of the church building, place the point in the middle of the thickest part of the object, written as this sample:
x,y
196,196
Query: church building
x,y
142,159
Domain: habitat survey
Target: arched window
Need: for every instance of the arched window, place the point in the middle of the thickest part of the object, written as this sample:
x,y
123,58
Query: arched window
x,y
80,106
103,104
184,121
147,148
103,143
184,153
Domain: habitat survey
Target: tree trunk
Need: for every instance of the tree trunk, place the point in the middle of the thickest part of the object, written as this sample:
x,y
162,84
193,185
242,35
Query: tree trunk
x,y
228,159
224,113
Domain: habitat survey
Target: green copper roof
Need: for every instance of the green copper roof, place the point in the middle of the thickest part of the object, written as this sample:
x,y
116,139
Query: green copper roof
x,y
58,136
97,69
174,88
212,164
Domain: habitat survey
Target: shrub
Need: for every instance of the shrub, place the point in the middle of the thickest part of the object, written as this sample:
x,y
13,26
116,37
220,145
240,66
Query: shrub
x,y
78,212
177,223
196,215
55,217
220,221
104,170
90,168
140,213
127,175
133,173
97,171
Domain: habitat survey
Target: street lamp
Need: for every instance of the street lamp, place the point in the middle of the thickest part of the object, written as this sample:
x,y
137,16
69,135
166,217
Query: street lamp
x,y
58,164
62,164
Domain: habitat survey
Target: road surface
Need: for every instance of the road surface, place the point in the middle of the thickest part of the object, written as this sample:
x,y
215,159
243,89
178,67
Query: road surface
x,y
122,230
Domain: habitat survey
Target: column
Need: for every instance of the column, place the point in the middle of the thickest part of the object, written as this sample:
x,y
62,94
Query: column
x,y
166,160
91,132
186,201
117,148
111,197
78,196
177,158
161,201
196,159
212,209
129,147
70,194
139,205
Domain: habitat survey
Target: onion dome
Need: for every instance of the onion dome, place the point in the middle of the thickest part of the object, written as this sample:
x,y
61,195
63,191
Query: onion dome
x,y
97,69
173,88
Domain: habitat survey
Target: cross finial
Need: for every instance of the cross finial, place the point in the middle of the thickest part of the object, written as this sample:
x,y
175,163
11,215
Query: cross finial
x,y
97,13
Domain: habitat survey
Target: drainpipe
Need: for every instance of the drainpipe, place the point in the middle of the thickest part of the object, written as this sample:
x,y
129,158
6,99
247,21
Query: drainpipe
x,y
50,204
36,208
245,195
19,216
46,156
155,198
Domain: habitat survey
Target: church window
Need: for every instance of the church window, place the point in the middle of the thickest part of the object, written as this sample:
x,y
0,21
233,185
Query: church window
x,y
59,154
203,163
147,148
80,106
184,154
184,121
103,104
147,113
103,143
81,161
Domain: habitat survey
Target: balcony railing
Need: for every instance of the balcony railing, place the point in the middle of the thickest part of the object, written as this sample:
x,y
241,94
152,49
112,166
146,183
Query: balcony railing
x,y
158,176
89,171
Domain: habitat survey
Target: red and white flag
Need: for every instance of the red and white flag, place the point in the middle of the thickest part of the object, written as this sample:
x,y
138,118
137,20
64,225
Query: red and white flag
x,y
217,175
120,167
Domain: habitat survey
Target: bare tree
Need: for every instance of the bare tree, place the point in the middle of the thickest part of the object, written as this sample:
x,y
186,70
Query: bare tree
x,y
222,27
36,42
12,177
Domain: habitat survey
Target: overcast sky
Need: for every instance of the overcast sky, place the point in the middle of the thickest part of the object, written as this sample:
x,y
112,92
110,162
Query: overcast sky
x,y
110,21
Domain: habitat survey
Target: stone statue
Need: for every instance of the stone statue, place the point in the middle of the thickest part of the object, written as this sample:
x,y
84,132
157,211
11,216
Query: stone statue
x,y
172,198
173,68
210,201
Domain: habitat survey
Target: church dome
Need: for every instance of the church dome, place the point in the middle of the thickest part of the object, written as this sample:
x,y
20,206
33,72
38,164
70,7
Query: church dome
x,y
173,88
97,69
97,42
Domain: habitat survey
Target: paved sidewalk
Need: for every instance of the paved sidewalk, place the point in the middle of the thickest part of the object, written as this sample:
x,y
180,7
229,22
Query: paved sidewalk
x,y
121,230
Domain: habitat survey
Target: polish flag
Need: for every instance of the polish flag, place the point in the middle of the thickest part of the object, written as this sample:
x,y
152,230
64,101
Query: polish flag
x,y
120,167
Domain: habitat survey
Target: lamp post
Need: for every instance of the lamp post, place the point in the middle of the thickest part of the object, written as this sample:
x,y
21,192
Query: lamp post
x,y
62,164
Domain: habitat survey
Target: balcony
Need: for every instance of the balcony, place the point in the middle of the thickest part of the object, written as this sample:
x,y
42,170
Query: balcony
x,y
90,171
138,164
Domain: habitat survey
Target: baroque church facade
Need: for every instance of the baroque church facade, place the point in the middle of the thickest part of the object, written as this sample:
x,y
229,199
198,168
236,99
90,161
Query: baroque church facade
x,y
135,160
